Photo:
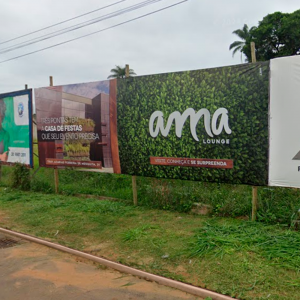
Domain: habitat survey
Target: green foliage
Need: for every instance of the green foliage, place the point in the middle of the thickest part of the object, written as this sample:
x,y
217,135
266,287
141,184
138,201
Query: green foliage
x,y
257,261
137,233
20,177
242,46
243,90
120,72
166,194
276,35
278,205
280,247
39,185
102,184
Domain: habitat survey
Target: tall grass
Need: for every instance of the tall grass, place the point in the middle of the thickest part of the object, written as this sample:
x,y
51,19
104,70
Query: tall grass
x,y
246,260
276,205
280,247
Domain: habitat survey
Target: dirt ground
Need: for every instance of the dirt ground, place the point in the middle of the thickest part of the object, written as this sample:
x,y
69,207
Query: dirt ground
x,y
34,272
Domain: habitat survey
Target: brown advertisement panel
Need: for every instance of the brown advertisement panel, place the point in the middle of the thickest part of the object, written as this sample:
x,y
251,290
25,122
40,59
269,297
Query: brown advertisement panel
x,y
74,126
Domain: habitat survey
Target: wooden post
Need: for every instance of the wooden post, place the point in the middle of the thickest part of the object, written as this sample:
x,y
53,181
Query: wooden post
x,y
26,87
254,203
253,55
254,188
134,188
56,178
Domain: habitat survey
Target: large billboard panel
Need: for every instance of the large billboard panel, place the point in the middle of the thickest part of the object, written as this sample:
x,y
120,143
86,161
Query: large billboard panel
x,y
16,128
284,166
205,125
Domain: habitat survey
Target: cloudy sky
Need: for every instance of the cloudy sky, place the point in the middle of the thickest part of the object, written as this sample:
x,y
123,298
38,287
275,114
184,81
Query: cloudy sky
x,y
193,35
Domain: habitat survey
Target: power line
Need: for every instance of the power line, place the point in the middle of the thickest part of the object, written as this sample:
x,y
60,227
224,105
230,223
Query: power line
x,y
68,20
78,26
98,31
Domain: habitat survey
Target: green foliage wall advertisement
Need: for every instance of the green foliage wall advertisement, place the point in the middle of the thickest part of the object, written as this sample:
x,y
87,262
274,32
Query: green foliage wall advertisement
x,y
204,125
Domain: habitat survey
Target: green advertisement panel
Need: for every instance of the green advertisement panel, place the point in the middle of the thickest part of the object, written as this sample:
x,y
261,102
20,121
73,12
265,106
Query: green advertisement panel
x,y
16,127
205,125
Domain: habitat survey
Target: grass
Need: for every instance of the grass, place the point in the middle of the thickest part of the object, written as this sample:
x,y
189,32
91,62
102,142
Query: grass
x,y
252,261
280,246
276,205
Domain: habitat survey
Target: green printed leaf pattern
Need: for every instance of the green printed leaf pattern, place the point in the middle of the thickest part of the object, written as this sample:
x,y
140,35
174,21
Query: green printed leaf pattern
x,y
241,89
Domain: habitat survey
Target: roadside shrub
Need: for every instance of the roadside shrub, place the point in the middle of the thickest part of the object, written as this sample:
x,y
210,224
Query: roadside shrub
x,y
20,177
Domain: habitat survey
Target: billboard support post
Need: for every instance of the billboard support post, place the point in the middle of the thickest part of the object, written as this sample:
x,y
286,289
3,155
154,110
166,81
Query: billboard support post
x,y
253,55
56,178
254,188
134,188
254,203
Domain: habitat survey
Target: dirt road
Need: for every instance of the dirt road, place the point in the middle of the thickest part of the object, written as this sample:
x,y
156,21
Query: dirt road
x,y
34,272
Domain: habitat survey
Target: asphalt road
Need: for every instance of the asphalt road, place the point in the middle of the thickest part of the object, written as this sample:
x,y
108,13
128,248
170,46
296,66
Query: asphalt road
x,y
34,272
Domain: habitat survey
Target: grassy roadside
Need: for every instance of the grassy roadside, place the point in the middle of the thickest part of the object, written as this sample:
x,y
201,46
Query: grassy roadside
x,y
234,257
276,205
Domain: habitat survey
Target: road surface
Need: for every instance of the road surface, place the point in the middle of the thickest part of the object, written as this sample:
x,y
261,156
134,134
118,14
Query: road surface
x,y
35,272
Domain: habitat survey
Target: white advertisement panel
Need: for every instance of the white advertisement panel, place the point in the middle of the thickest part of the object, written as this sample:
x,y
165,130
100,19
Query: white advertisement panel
x,y
284,155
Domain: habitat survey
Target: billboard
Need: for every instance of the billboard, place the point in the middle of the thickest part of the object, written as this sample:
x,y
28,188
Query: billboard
x,y
284,166
207,125
16,128
204,125
74,126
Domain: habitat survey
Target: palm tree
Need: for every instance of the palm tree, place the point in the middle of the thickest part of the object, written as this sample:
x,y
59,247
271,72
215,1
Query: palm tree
x,y
119,72
245,34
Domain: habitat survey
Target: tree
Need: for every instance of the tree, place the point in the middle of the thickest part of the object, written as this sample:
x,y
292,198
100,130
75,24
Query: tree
x,y
243,46
276,35
119,72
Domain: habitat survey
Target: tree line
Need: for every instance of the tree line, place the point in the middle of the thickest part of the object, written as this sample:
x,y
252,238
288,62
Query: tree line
x,y
278,34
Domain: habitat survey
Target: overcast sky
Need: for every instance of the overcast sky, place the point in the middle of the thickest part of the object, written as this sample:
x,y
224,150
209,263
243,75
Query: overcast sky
x,y
193,35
